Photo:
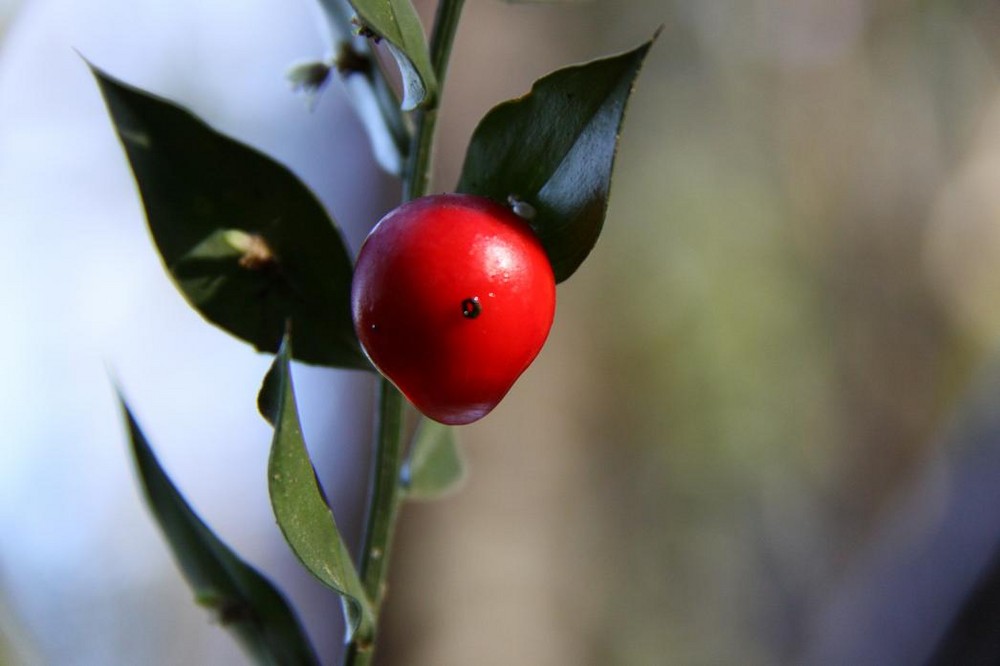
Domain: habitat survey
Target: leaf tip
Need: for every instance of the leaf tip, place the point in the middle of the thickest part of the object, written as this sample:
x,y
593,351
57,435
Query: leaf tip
x,y
269,395
104,80
86,61
131,424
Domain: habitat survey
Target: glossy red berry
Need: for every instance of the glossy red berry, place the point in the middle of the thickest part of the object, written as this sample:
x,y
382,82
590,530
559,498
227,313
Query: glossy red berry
x,y
452,298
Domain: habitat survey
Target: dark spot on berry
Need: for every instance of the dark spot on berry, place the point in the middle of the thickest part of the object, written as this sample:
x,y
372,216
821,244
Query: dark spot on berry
x,y
471,307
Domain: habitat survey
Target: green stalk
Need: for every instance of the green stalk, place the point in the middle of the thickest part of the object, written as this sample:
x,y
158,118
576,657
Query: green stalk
x,y
385,490
418,168
384,493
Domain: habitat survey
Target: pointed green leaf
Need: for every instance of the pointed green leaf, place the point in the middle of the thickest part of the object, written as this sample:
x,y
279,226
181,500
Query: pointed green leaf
x,y
434,467
397,22
246,242
299,503
554,150
245,602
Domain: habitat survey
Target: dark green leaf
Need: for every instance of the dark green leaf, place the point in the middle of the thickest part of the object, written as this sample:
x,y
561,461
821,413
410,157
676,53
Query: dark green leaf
x,y
434,467
248,244
245,602
299,503
397,22
554,150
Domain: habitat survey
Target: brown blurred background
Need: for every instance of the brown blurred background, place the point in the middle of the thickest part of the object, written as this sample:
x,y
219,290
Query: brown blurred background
x,y
798,282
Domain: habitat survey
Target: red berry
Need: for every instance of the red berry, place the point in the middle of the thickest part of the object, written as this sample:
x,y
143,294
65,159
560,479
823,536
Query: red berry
x,y
453,297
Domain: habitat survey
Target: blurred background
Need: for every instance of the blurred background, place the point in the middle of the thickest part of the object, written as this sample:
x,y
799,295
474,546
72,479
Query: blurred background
x,y
765,429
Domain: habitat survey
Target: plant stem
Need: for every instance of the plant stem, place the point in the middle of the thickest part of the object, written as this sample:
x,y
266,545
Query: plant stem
x,y
384,491
383,506
418,168
445,26
384,494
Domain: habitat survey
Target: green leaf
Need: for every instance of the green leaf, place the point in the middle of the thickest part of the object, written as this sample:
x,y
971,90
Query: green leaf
x,y
245,602
299,503
397,22
434,467
554,150
246,242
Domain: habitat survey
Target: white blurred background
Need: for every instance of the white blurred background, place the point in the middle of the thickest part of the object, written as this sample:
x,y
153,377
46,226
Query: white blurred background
x,y
85,574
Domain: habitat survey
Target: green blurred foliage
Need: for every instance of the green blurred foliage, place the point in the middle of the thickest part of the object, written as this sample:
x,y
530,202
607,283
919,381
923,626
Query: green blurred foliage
x,y
778,364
